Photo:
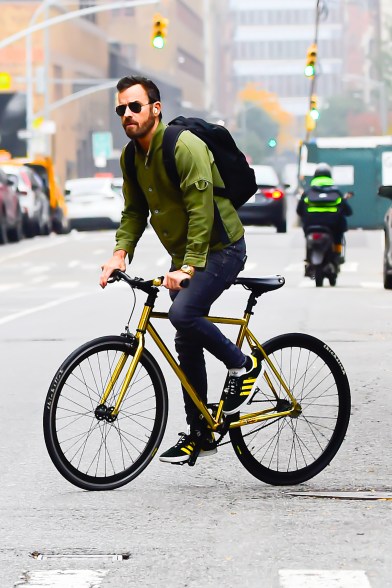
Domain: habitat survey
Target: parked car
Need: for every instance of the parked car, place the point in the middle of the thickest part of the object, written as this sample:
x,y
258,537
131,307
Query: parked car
x,y
93,203
268,206
33,199
10,211
386,192
117,184
44,167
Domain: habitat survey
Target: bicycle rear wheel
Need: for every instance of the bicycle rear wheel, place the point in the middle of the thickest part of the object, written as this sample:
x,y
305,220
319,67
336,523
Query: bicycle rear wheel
x,y
87,449
290,450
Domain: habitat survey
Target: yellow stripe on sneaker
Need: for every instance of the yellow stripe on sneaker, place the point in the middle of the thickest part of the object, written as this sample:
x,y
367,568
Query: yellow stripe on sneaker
x,y
185,450
250,381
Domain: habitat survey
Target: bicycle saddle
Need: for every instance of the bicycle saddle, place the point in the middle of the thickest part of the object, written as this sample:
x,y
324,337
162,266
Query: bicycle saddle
x,y
261,285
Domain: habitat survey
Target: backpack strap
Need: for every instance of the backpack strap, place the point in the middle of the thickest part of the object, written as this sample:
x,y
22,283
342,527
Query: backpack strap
x,y
129,160
169,141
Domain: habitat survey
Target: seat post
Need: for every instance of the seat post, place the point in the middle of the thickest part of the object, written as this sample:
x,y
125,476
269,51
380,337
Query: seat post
x,y
252,301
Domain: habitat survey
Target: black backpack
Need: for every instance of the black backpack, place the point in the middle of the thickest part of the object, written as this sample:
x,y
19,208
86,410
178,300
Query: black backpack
x,y
325,196
238,178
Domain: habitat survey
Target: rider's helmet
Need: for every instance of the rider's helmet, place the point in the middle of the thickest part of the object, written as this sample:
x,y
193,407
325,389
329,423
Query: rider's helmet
x,y
322,169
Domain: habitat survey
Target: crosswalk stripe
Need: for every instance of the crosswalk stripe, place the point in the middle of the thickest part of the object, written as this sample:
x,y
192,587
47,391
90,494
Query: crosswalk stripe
x,y
323,579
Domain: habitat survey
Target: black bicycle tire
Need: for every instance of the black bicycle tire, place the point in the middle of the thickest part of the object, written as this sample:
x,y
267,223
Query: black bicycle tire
x,y
67,470
240,437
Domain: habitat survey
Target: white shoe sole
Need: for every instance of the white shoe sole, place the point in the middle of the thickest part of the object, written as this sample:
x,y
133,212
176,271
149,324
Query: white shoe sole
x,y
185,458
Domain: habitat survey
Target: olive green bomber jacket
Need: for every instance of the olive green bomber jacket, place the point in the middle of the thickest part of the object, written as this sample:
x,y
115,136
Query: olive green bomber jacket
x,y
182,218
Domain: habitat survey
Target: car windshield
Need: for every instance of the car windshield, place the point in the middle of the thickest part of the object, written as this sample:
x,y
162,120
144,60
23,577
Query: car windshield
x,y
265,175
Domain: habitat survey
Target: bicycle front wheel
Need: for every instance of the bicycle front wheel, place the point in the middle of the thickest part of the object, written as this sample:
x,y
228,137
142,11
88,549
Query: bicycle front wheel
x,y
88,447
290,450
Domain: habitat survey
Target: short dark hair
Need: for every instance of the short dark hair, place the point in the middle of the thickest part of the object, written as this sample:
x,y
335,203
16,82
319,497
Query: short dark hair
x,y
149,86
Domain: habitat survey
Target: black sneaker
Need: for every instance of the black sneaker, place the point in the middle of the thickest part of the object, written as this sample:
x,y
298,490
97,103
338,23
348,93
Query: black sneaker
x,y
240,383
185,446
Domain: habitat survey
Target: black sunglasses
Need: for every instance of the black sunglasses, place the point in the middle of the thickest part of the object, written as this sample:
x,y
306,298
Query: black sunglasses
x,y
133,107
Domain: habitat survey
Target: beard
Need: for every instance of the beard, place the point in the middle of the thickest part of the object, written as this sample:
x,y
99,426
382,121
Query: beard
x,y
135,131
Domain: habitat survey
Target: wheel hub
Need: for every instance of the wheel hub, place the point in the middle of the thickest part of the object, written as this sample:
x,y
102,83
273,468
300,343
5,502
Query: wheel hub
x,y
105,413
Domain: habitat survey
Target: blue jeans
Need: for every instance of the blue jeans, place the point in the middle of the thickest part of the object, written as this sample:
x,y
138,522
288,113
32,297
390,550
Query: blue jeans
x,y
194,332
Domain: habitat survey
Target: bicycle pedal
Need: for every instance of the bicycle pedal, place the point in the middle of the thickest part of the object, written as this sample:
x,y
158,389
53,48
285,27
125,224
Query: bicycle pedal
x,y
195,454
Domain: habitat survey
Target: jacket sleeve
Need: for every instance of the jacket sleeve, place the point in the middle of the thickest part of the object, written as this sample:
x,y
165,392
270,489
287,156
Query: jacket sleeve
x,y
301,205
193,162
134,215
346,209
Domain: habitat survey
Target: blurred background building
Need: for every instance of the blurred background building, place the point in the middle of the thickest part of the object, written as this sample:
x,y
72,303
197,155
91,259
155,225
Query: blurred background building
x,y
237,61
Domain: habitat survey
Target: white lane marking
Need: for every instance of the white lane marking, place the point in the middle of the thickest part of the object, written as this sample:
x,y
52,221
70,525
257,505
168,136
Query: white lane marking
x,y
65,285
49,242
63,578
5,287
73,263
351,266
323,579
295,267
100,252
372,285
17,315
38,269
39,279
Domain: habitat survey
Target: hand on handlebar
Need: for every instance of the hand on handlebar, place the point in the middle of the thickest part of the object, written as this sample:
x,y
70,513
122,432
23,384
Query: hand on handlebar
x,y
115,262
176,280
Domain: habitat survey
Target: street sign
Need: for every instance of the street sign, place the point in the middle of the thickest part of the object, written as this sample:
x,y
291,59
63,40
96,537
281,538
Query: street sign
x,y
102,143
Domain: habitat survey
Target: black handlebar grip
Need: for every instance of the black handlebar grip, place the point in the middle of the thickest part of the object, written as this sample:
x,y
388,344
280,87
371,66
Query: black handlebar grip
x,y
185,283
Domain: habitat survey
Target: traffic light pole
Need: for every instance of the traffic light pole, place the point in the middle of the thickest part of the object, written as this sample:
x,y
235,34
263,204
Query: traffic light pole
x,y
314,77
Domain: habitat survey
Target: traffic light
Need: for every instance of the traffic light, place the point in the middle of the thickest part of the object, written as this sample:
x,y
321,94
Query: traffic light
x,y
159,31
311,58
272,143
313,111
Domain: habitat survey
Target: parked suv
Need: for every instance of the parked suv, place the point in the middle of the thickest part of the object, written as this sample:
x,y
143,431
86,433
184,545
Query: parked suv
x,y
386,192
10,211
33,199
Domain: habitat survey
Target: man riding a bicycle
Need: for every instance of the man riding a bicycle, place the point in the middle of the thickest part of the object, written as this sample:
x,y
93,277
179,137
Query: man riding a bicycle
x,y
184,222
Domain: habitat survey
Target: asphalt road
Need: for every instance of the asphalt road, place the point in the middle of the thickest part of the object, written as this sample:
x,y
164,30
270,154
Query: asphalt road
x,y
214,524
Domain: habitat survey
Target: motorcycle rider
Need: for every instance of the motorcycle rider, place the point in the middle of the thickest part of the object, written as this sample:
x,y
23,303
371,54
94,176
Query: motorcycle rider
x,y
325,205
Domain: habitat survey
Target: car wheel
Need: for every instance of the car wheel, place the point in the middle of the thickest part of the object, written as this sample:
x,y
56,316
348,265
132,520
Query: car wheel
x,y
282,227
16,233
387,277
3,231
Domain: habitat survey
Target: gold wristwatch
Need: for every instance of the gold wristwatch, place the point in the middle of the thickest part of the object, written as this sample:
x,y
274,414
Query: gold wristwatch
x,y
187,269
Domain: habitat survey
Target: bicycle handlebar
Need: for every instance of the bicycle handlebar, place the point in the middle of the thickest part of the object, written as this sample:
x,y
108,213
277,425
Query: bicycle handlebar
x,y
139,283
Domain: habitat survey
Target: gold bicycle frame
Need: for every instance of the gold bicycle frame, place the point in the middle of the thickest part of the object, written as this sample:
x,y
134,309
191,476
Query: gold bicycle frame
x,y
213,422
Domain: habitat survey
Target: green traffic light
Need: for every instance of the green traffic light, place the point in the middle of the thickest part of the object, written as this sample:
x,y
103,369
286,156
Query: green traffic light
x,y
272,143
314,113
158,42
309,71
